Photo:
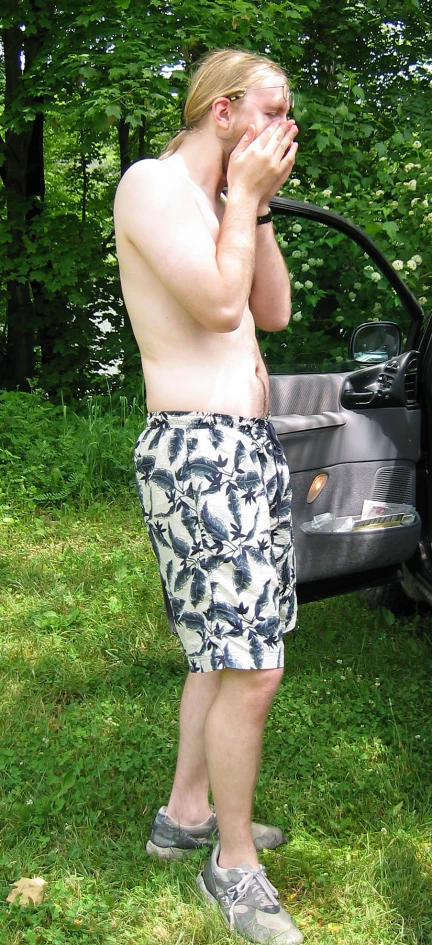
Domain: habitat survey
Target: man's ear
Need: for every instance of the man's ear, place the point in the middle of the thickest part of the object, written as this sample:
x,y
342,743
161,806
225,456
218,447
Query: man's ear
x,y
222,112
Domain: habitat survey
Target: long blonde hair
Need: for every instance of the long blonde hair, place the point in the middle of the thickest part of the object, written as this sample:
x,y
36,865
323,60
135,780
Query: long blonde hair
x,y
222,72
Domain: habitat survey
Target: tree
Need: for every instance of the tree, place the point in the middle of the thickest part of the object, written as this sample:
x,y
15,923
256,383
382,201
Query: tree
x,y
88,91
23,177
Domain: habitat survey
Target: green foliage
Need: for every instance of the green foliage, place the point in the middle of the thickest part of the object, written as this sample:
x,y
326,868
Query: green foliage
x,y
108,85
380,179
335,287
50,455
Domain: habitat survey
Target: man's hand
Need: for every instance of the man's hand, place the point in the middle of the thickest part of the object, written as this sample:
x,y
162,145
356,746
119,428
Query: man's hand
x,y
261,165
290,155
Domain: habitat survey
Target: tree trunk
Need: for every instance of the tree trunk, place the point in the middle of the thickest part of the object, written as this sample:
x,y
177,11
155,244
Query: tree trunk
x,y
23,176
123,136
141,137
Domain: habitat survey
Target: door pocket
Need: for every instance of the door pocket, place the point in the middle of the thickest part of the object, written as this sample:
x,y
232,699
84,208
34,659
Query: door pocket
x,y
332,555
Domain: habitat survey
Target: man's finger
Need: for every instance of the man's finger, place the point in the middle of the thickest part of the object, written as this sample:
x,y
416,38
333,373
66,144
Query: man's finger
x,y
245,140
279,138
285,145
288,158
269,132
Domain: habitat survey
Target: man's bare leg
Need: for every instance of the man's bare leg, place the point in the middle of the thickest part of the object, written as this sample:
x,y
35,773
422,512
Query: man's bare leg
x,y
188,803
233,739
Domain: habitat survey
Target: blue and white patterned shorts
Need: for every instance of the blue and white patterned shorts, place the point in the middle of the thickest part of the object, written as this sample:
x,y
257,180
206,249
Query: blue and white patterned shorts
x,y
216,498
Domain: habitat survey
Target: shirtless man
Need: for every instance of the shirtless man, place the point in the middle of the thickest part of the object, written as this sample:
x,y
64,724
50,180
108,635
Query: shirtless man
x,y
200,270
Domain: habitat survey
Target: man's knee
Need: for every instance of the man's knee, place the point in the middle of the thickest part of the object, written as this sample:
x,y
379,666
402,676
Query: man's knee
x,y
266,683
254,689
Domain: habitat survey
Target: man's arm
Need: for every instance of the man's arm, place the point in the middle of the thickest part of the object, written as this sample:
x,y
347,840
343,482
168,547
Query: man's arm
x,y
270,298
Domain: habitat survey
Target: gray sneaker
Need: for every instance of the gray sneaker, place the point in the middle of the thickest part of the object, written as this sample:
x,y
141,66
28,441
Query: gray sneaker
x,y
248,902
170,841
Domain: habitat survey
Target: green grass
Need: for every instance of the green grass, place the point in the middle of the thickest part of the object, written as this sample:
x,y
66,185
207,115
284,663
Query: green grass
x,y
90,680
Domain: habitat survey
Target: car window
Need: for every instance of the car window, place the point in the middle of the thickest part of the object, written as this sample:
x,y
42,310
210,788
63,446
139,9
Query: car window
x,y
335,287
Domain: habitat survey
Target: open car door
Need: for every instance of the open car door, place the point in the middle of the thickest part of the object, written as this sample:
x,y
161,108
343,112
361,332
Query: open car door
x,y
345,407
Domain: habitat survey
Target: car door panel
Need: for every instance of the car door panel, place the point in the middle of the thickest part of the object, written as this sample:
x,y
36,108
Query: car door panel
x,y
366,454
338,435
349,437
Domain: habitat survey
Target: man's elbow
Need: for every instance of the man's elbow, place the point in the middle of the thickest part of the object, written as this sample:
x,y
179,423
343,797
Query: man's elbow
x,y
275,320
220,319
280,321
282,314
230,321
226,316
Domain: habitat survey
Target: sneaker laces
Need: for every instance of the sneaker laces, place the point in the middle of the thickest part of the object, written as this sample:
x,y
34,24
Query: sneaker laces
x,y
264,892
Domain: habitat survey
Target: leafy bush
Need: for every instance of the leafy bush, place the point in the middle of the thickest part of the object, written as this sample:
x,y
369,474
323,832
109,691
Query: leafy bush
x,y
50,455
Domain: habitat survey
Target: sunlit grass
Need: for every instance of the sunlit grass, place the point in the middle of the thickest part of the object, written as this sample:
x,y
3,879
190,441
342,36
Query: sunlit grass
x,y
90,679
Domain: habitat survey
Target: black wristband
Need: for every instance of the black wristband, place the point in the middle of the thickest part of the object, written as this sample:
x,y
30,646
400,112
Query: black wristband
x,y
267,218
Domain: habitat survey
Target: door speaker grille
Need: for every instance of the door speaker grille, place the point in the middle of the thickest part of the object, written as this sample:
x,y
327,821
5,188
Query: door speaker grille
x,y
394,484
411,382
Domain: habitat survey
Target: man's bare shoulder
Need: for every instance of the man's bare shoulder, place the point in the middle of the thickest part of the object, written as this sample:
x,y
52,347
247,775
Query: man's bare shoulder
x,y
153,181
146,170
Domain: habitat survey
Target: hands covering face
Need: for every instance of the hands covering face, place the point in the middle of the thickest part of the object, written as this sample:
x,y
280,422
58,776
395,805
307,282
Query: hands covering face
x,y
262,163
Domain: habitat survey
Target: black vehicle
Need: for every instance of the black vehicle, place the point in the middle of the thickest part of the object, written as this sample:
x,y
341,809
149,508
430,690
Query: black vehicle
x,y
354,418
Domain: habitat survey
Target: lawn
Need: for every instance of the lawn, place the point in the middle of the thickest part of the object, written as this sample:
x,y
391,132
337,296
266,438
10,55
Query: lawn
x,y
90,683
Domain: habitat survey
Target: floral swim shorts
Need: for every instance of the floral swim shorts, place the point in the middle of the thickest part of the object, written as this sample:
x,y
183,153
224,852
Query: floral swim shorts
x,y
216,498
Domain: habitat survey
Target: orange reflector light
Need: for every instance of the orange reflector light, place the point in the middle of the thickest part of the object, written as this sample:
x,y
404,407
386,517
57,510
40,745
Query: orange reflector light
x,y
316,487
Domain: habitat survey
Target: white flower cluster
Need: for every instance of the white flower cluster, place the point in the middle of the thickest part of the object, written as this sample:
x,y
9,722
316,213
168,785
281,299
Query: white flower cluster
x,y
373,274
297,317
397,264
411,263
328,192
416,144
411,184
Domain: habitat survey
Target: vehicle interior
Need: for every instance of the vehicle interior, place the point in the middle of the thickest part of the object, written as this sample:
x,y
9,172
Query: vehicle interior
x,y
344,402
